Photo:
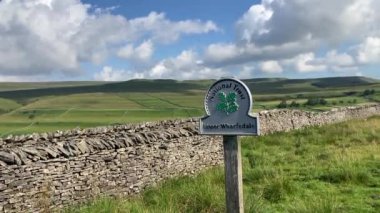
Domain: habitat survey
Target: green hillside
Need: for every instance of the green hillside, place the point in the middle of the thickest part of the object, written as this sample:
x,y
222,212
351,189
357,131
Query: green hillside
x,y
345,82
19,91
10,86
7,105
49,106
282,86
154,86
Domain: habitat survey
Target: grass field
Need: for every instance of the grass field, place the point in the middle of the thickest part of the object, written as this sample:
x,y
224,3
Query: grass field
x,y
44,120
51,113
49,106
7,105
334,168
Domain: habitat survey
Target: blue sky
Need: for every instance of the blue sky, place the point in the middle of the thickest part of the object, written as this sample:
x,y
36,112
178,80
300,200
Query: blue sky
x,y
116,40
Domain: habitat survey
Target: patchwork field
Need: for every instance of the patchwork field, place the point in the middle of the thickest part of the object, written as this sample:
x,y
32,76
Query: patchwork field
x,y
334,168
41,107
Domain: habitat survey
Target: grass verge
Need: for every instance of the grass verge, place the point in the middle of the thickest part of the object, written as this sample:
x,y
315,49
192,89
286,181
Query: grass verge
x,y
334,168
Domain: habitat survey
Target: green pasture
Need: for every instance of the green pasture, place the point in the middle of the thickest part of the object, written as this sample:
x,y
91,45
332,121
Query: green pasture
x,y
146,100
88,110
44,120
334,168
190,100
49,106
50,113
84,101
376,97
7,105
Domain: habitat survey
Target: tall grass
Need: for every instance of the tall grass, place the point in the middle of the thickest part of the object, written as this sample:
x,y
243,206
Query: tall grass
x,y
335,168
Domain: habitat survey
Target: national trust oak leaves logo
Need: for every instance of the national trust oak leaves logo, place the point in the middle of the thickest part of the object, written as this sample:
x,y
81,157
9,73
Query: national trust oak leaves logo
x,y
227,103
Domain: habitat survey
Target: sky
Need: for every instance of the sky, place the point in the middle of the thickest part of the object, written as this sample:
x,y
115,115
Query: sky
x,y
118,40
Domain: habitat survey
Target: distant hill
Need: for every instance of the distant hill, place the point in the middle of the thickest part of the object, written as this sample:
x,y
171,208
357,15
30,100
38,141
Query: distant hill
x,y
11,86
343,82
18,91
284,85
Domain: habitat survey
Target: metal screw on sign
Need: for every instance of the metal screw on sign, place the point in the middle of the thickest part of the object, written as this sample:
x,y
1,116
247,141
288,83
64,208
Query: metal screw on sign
x,y
228,104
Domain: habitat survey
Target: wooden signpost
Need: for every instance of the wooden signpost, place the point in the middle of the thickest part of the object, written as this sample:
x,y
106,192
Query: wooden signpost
x,y
228,104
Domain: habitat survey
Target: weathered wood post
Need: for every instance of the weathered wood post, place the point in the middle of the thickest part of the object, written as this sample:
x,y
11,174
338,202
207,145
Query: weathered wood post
x,y
228,104
233,174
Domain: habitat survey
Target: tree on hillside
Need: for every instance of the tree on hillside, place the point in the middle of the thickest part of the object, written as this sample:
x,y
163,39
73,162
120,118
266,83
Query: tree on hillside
x,y
294,104
312,101
322,101
283,104
368,92
315,101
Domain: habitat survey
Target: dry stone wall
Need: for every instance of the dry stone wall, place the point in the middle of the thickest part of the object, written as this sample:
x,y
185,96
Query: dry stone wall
x,y
52,170
286,120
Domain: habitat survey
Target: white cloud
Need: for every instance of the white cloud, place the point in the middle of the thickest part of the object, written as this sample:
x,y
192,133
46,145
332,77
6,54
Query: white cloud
x,y
178,66
358,74
31,42
159,70
246,71
141,53
188,66
279,22
304,63
280,30
338,61
110,74
163,30
222,54
126,52
271,67
369,50
44,36
332,61
8,78
185,66
335,59
41,37
257,15
276,35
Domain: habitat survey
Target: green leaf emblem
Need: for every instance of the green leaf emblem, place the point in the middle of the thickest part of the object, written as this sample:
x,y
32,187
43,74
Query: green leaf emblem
x,y
227,103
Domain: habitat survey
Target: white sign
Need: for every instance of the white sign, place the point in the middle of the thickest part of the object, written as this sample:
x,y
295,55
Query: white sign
x,y
228,104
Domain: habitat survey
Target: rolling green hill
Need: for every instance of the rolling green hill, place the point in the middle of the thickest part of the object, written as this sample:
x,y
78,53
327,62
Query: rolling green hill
x,y
258,86
48,106
337,82
155,86
282,86
10,86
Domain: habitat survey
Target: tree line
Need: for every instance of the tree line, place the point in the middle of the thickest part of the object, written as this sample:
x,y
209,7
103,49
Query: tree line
x,y
321,101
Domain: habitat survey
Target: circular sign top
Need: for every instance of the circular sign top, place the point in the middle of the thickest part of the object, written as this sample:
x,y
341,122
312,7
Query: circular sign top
x,y
227,97
227,104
